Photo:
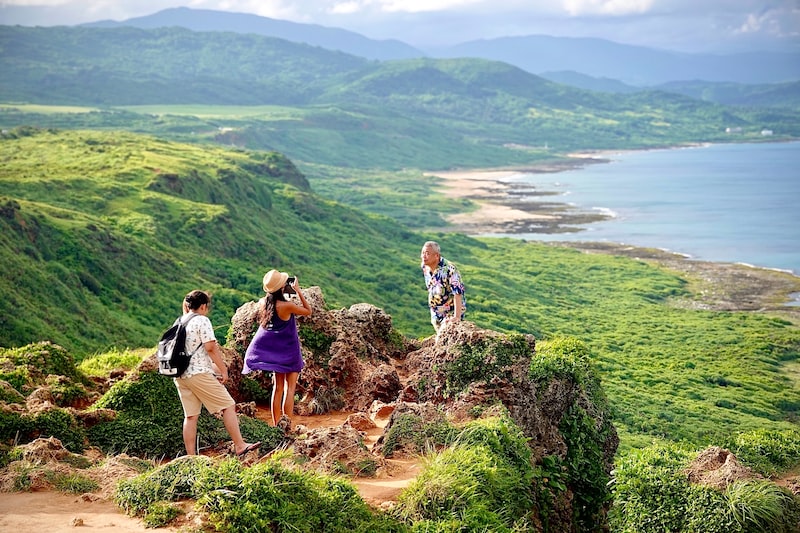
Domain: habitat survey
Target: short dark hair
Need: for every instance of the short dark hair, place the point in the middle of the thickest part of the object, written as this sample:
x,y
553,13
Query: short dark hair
x,y
197,298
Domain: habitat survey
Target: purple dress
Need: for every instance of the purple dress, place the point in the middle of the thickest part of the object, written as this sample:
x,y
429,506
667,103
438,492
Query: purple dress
x,y
275,349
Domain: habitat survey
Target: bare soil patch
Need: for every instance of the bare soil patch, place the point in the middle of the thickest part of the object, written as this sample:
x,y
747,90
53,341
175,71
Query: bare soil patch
x,y
48,510
33,512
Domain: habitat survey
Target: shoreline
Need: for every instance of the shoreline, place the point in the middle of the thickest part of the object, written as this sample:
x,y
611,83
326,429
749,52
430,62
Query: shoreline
x,y
501,204
721,285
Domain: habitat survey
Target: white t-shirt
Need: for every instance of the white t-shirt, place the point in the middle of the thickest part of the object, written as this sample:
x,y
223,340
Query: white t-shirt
x,y
198,332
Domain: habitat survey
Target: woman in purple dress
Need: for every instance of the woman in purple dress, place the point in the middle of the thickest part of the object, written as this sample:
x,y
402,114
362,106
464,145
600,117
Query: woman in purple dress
x,y
276,345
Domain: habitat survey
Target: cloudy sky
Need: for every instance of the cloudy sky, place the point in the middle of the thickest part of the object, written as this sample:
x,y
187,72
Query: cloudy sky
x,y
686,25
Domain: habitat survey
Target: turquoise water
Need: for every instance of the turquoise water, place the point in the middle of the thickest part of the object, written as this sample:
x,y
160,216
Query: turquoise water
x,y
726,202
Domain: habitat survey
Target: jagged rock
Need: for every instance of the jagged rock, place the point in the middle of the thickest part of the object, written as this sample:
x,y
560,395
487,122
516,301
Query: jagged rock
x,y
94,417
40,400
346,352
247,409
9,394
360,422
42,451
337,450
243,327
382,384
380,410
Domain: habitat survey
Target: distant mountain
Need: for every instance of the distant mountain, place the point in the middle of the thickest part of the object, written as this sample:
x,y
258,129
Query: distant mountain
x,y
633,65
764,95
537,54
128,66
590,83
418,112
313,34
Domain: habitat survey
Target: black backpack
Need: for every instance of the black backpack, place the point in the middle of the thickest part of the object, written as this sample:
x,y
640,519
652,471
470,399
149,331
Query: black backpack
x,y
171,354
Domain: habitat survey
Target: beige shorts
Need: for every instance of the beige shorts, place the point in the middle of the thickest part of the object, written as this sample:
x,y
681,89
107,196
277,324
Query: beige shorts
x,y
202,389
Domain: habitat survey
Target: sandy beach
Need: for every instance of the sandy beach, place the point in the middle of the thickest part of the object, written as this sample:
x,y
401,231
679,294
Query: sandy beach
x,y
501,200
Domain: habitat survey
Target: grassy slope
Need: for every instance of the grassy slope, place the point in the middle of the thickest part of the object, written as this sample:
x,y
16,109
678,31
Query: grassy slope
x,y
112,229
104,233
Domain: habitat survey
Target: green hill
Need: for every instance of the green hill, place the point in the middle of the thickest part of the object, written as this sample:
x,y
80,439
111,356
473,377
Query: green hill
x,y
343,110
126,66
102,234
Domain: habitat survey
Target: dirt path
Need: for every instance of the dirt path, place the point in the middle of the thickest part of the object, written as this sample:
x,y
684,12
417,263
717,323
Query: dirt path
x,y
33,512
387,485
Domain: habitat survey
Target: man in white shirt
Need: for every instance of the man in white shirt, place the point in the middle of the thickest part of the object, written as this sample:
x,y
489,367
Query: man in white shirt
x,y
198,385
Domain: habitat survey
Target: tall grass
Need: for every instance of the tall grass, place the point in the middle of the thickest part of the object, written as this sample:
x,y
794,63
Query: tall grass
x,y
762,506
482,482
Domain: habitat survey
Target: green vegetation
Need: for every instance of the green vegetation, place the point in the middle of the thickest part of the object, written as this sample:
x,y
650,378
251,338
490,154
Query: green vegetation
x,y
81,212
73,483
101,365
652,493
149,421
267,496
102,232
325,107
416,436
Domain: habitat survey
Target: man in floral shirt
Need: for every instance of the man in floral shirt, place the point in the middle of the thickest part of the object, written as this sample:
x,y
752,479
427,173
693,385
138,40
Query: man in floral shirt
x,y
445,288
202,384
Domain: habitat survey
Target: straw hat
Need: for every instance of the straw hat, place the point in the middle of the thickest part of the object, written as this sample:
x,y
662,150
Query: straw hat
x,y
274,280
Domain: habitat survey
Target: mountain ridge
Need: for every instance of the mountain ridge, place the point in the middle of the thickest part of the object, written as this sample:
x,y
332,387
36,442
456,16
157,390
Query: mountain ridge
x,y
631,64
312,34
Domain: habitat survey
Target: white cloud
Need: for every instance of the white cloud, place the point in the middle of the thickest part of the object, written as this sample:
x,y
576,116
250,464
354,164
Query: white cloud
x,y
418,6
607,7
345,8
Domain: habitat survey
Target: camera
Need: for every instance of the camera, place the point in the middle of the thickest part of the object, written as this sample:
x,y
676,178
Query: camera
x,y
288,289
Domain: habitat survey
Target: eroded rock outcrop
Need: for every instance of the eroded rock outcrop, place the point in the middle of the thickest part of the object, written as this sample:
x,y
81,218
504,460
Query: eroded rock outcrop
x,y
357,362
349,354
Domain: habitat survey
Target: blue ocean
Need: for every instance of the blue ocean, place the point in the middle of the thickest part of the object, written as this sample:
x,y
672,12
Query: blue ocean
x,y
724,202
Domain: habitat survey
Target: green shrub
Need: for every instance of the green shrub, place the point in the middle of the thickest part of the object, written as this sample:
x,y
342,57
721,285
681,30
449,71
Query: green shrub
x,y
47,358
74,483
159,514
466,484
176,480
149,421
410,430
60,424
652,493
101,365
318,342
271,497
502,436
483,361
252,391
483,482
258,430
585,464
12,426
66,392
562,358
766,451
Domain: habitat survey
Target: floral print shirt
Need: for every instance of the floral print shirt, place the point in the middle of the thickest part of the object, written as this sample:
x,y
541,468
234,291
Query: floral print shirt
x,y
198,332
443,284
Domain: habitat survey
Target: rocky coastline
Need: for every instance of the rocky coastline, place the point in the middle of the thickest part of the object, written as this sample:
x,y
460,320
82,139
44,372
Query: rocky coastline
x,y
502,209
